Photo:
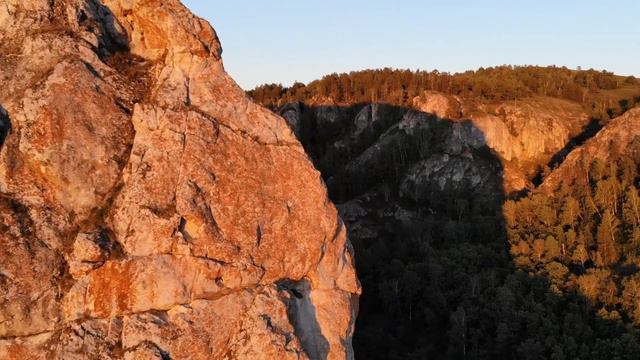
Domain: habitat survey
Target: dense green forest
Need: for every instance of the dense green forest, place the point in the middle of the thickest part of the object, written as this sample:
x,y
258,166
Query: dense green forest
x,y
567,287
600,92
585,237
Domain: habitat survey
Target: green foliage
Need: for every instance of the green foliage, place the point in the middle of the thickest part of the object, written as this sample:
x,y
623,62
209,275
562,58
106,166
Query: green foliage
x,y
606,215
444,288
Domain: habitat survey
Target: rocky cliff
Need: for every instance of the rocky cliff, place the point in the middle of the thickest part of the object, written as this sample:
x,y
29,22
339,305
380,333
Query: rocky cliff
x,y
619,137
148,209
525,135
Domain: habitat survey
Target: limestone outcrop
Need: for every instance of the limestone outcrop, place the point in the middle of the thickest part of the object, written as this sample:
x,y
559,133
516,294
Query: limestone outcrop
x,y
526,135
621,136
442,105
148,208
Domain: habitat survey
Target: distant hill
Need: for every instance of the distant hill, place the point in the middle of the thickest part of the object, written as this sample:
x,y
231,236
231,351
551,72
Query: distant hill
x,y
603,94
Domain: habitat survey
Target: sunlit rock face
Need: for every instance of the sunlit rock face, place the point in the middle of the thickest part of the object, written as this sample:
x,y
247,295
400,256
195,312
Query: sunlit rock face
x,y
525,134
148,209
618,137
439,104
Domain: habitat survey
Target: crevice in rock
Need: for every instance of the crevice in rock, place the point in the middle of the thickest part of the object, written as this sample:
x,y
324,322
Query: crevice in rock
x,y
589,131
200,201
246,135
92,70
275,329
5,126
124,107
22,217
188,86
239,132
258,235
114,51
207,258
49,331
263,270
150,345
161,313
181,229
302,315
108,243
163,213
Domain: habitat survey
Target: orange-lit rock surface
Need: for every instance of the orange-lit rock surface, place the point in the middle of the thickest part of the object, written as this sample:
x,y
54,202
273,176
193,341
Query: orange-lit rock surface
x,y
526,134
618,137
148,209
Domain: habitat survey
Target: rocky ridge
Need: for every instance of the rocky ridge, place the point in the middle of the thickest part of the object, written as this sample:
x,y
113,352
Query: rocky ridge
x,y
620,136
149,209
524,134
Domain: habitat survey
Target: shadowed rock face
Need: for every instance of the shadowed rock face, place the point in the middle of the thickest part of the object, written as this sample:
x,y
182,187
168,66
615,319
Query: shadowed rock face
x,y
148,209
402,178
525,135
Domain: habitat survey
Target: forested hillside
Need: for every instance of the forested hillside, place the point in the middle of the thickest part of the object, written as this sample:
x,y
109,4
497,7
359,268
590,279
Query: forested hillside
x,y
451,266
602,93
585,237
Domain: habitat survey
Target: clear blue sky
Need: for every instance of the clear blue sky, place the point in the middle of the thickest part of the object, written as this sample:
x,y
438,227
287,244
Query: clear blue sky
x,y
281,41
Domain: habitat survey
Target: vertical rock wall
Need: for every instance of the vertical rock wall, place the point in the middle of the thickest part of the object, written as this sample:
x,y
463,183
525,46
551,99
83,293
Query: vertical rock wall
x,y
148,209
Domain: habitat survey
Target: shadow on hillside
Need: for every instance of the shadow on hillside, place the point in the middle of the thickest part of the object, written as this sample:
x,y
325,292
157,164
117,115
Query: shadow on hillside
x,y
422,200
